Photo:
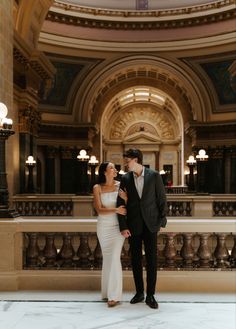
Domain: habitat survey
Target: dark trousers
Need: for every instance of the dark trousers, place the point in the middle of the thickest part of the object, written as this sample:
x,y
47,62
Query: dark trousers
x,y
150,247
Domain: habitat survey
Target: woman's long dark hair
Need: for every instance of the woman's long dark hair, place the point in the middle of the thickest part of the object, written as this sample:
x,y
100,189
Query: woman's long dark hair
x,y
101,172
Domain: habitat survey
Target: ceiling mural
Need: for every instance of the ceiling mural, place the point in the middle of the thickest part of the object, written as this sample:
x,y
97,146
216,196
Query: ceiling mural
x,y
63,80
218,72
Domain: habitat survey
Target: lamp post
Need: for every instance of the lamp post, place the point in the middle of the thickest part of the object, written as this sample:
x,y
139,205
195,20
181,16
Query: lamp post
x,y
202,158
30,163
5,132
83,181
93,162
191,162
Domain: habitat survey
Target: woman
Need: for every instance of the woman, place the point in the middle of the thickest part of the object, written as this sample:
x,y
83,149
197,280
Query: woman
x,y
109,236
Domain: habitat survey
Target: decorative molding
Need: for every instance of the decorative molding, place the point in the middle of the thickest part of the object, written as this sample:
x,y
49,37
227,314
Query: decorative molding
x,y
34,59
142,20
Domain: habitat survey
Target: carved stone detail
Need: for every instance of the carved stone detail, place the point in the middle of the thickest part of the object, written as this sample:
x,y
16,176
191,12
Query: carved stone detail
x,y
29,120
147,121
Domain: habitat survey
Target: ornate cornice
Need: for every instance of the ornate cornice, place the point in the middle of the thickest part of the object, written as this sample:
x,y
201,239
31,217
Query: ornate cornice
x,y
142,20
34,59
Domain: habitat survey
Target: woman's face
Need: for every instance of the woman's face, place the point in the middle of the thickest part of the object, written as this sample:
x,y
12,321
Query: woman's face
x,y
111,170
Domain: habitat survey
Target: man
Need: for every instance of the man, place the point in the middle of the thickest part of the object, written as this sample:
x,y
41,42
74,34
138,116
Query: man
x,y
146,214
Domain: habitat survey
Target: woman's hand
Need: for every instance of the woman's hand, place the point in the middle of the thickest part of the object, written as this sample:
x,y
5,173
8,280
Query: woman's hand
x,y
126,233
123,195
121,210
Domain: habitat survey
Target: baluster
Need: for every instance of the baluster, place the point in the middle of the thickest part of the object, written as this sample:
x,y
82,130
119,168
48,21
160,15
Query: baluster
x,y
62,205
125,256
50,251
188,209
34,208
221,252
181,209
169,209
204,252
231,209
160,252
66,252
216,209
41,208
233,254
97,254
170,251
32,251
27,209
175,209
84,251
224,208
187,251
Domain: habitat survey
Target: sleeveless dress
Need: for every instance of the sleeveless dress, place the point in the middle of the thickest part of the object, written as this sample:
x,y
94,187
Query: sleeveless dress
x,y
111,242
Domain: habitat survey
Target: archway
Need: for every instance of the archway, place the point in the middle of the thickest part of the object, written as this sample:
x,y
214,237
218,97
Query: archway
x,y
146,118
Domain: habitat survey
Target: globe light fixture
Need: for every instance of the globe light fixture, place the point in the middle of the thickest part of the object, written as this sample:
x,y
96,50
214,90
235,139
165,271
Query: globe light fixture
x,y
5,132
93,162
191,162
30,163
202,157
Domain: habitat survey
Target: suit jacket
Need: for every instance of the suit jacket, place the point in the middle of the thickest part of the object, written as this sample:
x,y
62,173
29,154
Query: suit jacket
x,y
150,208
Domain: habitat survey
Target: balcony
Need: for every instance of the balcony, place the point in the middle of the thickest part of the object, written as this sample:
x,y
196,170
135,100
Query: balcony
x,y
53,245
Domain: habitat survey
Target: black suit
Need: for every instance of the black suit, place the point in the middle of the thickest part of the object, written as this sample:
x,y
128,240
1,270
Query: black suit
x,y
144,218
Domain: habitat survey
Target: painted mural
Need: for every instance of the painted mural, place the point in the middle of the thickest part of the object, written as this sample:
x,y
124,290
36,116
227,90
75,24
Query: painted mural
x,y
219,74
64,78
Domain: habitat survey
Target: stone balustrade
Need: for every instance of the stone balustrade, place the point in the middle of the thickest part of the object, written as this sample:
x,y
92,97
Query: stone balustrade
x,y
181,205
176,251
58,248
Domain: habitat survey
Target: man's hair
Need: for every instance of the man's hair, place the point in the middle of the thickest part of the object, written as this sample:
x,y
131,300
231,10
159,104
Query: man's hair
x,y
134,153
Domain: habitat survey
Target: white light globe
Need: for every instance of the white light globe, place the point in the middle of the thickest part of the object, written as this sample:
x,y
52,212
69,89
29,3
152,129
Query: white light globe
x,y
3,110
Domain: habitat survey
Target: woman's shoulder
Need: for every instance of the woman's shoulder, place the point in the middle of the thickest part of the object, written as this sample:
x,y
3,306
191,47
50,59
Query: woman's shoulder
x,y
97,187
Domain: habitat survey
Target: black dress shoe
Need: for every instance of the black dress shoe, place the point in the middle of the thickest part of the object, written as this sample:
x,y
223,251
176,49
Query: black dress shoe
x,y
151,302
138,298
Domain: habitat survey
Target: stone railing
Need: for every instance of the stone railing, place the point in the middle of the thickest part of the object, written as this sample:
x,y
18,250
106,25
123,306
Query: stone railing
x,y
194,254
176,251
179,205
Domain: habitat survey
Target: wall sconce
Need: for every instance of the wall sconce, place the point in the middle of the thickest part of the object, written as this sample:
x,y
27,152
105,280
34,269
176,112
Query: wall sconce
x,y
5,123
30,163
191,162
83,155
202,158
82,178
5,132
163,176
93,162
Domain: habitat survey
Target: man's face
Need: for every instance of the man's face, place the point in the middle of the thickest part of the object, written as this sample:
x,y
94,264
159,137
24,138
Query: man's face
x,y
130,163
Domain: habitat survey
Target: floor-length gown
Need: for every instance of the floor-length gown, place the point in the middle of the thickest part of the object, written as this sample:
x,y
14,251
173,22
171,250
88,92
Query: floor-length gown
x,y
111,242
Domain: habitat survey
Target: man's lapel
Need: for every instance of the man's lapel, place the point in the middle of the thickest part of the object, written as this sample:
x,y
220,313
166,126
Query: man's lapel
x,y
132,184
146,180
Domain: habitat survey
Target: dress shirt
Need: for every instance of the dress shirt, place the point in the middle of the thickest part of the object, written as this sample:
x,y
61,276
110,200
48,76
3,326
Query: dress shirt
x,y
139,182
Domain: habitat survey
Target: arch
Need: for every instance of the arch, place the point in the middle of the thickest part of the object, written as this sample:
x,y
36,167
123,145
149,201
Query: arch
x,y
30,16
174,79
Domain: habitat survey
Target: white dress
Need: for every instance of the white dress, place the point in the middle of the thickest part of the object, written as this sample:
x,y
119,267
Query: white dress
x,y
111,242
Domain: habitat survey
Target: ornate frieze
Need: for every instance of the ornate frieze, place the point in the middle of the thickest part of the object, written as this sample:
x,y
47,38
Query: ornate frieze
x,y
142,20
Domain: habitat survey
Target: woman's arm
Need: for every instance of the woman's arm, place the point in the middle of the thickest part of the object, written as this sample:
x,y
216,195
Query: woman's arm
x,y
99,207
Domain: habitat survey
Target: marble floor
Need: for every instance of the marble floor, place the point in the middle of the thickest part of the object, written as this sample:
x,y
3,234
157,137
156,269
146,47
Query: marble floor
x,y
85,310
